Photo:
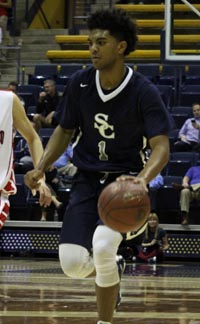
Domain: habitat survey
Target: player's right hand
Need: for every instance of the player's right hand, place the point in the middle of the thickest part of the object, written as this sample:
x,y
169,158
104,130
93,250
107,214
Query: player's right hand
x,y
32,179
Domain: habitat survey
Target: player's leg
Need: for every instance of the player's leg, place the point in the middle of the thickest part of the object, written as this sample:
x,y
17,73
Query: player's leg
x,y
105,246
78,228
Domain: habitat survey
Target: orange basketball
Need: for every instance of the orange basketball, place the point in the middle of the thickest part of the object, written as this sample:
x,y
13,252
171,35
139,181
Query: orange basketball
x,y
124,206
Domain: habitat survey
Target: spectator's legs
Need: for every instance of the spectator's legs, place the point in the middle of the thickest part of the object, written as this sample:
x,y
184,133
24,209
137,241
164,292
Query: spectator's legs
x,y
181,146
185,198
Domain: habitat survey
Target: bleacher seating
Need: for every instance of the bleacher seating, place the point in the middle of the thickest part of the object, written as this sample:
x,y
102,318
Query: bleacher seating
x,y
188,94
192,75
45,134
66,41
167,94
29,93
173,136
151,71
18,202
180,162
185,110
168,75
31,110
180,114
66,70
42,72
168,199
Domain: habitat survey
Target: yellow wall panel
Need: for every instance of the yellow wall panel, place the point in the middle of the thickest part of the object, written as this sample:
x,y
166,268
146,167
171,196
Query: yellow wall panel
x,y
55,13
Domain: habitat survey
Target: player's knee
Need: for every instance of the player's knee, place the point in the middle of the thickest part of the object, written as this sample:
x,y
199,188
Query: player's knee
x,y
105,245
75,261
105,242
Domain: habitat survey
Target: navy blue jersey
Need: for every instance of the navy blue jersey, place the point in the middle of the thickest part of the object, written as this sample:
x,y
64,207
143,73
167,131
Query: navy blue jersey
x,y
111,126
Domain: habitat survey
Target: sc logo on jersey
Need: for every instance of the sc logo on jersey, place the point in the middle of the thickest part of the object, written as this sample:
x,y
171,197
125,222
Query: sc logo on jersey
x,y
106,130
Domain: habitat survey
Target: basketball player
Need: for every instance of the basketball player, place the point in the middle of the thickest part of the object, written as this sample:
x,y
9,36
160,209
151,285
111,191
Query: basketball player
x,y
13,116
112,107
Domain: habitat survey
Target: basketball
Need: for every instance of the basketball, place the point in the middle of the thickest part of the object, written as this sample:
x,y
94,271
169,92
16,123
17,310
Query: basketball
x,y
124,206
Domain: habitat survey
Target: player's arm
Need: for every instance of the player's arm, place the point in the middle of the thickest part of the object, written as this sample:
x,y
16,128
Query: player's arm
x,y
56,145
158,158
22,124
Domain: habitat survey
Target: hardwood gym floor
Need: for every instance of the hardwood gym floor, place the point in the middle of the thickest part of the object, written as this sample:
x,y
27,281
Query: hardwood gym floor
x,y
35,291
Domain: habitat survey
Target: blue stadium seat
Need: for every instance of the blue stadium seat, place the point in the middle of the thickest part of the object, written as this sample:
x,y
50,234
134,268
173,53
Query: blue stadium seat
x,y
18,202
179,119
168,197
167,94
173,136
151,71
29,93
60,88
192,75
168,201
193,157
189,98
180,114
45,134
180,162
31,110
43,72
167,75
185,110
66,70
189,94
178,168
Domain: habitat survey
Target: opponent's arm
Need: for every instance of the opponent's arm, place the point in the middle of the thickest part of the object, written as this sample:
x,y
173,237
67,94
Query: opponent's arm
x,y
23,125
54,148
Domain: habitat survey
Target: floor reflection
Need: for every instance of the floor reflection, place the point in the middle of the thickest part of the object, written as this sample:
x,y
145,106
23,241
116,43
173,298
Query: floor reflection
x,y
37,292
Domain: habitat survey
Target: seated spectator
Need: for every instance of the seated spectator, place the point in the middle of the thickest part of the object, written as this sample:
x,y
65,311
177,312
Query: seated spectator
x,y
154,185
46,105
149,245
155,241
189,134
64,165
190,191
13,86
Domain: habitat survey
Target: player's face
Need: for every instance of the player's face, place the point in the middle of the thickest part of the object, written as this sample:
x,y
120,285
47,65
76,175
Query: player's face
x,y
105,50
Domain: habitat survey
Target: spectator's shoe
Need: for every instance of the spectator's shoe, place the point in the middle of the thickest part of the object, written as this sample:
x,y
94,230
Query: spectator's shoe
x,y
184,218
185,221
121,267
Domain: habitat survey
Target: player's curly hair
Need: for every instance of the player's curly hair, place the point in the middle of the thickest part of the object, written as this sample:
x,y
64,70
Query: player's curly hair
x,y
118,23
